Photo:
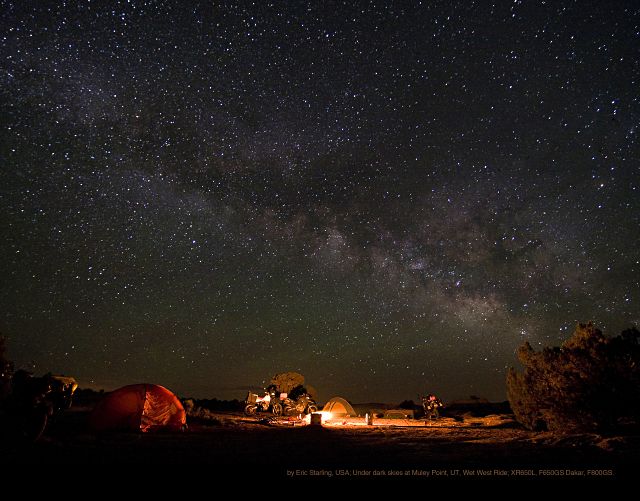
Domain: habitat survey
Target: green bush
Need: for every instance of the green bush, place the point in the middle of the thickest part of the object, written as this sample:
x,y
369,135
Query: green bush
x,y
590,383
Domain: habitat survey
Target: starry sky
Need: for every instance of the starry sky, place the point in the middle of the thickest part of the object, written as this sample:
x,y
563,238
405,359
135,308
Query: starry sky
x,y
388,197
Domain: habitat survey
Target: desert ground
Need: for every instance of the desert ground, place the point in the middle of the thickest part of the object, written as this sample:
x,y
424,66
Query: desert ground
x,y
473,448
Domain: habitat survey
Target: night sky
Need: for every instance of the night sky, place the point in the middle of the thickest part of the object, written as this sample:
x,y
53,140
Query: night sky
x,y
388,197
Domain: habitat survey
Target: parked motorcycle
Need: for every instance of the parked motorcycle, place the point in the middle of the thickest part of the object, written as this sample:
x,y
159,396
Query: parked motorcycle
x,y
33,400
269,402
304,404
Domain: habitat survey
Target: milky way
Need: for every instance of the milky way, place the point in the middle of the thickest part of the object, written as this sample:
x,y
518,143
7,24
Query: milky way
x,y
389,197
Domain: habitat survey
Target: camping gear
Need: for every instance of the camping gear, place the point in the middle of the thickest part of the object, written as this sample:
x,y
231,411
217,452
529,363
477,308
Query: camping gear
x,y
339,407
139,407
316,419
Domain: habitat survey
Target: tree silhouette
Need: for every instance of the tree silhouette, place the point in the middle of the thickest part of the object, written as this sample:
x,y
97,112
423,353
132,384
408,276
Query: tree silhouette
x,y
287,381
590,383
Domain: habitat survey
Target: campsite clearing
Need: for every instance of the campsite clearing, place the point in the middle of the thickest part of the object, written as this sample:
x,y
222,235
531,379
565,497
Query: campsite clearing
x,y
234,442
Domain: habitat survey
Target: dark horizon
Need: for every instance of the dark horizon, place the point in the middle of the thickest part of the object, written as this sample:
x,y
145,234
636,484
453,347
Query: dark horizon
x,y
389,198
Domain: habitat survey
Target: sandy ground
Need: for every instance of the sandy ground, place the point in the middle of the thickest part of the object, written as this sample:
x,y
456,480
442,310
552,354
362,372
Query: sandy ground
x,y
447,449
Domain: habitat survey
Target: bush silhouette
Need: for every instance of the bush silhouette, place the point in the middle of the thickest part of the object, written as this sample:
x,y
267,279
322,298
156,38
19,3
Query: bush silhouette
x,y
590,383
287,381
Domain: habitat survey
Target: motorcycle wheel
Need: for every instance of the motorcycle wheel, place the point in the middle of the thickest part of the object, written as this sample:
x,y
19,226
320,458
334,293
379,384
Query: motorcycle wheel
x,y
277,409
312,408
250,409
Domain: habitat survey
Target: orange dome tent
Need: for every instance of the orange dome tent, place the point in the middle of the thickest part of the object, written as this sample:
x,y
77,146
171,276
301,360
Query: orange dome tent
x,y
138,407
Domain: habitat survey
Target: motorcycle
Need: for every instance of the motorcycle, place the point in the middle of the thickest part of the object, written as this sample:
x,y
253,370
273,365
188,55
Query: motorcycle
x,y
32,402
304,404
269,402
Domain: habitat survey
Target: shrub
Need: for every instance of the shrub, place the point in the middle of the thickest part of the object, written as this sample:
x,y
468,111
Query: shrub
x,y
590,383
287,381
